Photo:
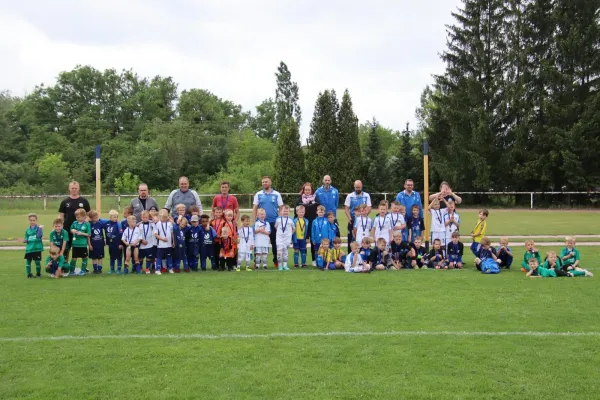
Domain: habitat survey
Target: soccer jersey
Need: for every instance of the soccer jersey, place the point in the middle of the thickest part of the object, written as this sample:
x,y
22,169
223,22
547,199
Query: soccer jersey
x,y
79,240
455,251
55,264
396,220
246,239
33,238
317,229
300,224
284,228
113,233
335,255
270,202
146,230
383,227
480,230
261,239
330,231
97,238
164,230
350,266
571,260
416,226
363,226
130,235
216,225
399,250
354,200
437,220
534,254
57,239
453,226
208,236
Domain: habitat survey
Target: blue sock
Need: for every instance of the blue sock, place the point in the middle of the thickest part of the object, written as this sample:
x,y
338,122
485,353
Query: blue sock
x,y
148,265
296,256
169,263
303,256
95,267
112,264
99,268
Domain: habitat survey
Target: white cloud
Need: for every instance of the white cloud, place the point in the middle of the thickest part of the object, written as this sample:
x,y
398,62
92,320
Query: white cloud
x,y
384,52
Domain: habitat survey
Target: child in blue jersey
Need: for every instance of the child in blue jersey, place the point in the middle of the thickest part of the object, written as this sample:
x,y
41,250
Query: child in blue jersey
x,y
454,251
194,236
300,236
113,232
97,240
504,253
331,230
207,243
399,251
365,248
146,250
417,254
379,259
436,257
180,252
317,228
415,225
483,251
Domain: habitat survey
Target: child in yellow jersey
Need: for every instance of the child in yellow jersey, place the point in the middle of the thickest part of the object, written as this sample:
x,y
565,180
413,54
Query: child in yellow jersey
x,y
478,232
299,237
323,255
336,256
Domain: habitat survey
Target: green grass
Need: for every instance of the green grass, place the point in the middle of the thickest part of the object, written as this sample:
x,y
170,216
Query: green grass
x,y
500,222
345,367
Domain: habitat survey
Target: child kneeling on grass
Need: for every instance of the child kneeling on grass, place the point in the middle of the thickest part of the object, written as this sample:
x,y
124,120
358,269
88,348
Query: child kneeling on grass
x,y
55,263
354,262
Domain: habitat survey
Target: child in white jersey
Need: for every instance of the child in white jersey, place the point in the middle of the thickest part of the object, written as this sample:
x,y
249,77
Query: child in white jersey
x,y
362,223
438,229
397,220
262,230
382,225
164,236
451,221
285,228
148,241
246,244
131,239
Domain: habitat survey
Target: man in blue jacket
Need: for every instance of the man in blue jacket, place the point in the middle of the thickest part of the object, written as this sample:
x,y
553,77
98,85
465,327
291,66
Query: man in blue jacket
x,y
328,196
408,198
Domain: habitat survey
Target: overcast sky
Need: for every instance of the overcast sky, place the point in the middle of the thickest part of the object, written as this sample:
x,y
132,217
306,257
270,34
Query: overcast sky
x,y
384,52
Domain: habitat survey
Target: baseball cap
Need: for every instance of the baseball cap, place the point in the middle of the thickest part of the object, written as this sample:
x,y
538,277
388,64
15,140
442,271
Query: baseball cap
x,y
153,208
195,218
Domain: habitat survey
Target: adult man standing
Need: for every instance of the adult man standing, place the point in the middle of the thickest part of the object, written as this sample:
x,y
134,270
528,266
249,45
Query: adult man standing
x,y
353,200
270,200
66,211
143,202
328,196
408,198
226,201
183,195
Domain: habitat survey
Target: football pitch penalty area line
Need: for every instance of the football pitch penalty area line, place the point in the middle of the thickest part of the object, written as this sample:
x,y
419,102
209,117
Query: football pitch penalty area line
x,y
233,336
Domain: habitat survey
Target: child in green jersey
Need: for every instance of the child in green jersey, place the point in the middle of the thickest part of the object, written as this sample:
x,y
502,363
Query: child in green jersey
x,y
55,263
34,246
530,252
570,255
59,237
81,231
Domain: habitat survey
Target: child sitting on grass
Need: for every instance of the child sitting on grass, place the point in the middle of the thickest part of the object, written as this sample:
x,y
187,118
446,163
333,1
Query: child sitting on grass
x,y
454,251
570,255
436,256
417,254
530,252
336,255
399,251
504,253
379,259
323,254
354,261
483,252
553,263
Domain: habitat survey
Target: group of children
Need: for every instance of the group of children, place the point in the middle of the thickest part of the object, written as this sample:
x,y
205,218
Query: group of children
x,y
160,243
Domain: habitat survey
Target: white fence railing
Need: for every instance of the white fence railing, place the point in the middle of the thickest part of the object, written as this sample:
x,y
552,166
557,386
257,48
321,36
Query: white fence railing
x,y
585,199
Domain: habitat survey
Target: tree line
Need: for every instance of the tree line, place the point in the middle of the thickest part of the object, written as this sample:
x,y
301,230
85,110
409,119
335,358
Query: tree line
x,y
515,109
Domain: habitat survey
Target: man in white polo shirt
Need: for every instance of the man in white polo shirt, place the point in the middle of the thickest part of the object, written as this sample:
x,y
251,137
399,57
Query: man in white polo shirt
x,y
270,200
353,200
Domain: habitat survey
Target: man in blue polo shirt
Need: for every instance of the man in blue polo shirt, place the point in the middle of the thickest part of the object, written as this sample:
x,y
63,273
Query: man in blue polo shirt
x,y
328,196
270,200
409,198
353,200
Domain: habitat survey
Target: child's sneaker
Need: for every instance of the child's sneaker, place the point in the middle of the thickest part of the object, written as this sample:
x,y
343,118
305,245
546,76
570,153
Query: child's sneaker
x,y
303,266
186,270
163,270
118,272
126,270
280,268
176,271
276,264
171,271
249,269
296,266
157,272
30,276
111,271
38,275
285,268
264,267
237,269
314,263
147,271
81,273
588,273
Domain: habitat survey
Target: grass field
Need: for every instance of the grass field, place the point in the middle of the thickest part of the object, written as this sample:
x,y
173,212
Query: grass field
x,y
500,222
421,335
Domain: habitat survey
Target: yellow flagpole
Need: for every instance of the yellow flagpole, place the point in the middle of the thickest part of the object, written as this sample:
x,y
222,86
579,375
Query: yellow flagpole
x,y
426,191
98,182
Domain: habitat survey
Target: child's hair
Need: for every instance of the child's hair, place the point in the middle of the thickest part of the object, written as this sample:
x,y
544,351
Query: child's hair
x,y
285,206
396,203
228,212
93,214
300,207
57,221
54,250
34,215
362,207
337,240
217,209
381,240
354,245
570,239
325,240
225,230
486,241
194,209
206,217
419,238
258,211
131,218
383,203
484,211
414,207
436,240
113,213
532,260
455,234
366,240
180,206
128,210
145,214
330,214
402,209
503,239
397,234
183,222
550,253
245,218
79,213
529,242
321,208
163,213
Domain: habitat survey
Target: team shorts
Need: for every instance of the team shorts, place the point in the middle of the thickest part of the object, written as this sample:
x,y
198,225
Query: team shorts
x,y
244,257
33,256
455,259
147,254
300,244
331,266
261,250
163,253
97,253
79,252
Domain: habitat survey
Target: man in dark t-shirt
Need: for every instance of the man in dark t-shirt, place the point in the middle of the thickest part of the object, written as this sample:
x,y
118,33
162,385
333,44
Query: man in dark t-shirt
x,y
67,209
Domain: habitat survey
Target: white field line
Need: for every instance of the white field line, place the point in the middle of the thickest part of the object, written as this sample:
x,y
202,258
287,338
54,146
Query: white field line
x,y
228,336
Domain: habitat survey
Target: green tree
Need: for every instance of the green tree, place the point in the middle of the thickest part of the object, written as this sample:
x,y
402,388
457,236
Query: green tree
x,y
265,121
289,159
323,138
375,173
402,165
127,183
215,115
53,172
286,97
348,146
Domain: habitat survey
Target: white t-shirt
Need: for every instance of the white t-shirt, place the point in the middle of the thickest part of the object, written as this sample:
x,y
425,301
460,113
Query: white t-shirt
x,y
284,228
246,236
437,220
260,239
147,234
360,264
451,228
396,220
363,227
130,235
383,227
164,230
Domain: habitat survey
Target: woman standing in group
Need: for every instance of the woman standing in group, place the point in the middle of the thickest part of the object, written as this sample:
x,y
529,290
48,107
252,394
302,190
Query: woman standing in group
x,y
309,201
